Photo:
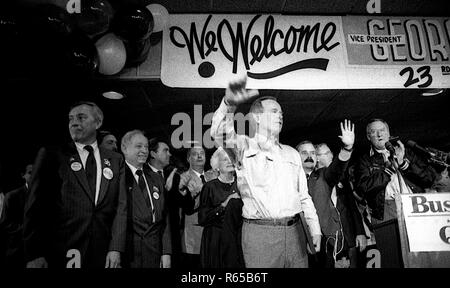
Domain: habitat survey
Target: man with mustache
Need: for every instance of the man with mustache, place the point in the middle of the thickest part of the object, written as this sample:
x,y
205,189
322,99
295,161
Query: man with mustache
x,y
272,183
383,173
75,214
322,182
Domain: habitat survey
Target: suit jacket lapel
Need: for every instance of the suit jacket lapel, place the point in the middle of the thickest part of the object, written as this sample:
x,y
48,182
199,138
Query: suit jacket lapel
x,y
104,182
155,191
76,166
135,192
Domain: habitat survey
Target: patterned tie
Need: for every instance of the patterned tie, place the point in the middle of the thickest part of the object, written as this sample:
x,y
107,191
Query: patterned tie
x,y
143,187
91,169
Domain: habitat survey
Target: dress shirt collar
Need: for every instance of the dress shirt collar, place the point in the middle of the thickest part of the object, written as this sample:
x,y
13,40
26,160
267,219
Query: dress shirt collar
x,y
132,168
154,169
196,173
80,147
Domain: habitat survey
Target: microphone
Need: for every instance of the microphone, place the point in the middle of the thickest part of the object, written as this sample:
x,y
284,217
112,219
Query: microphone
x,y
393,140
414,145
390,148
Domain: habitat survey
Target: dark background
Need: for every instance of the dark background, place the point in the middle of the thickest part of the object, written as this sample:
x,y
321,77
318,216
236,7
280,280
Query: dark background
x,y
34,108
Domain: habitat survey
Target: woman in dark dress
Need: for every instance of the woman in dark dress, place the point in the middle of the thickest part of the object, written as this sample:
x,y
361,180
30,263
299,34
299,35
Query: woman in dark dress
x,y
220,214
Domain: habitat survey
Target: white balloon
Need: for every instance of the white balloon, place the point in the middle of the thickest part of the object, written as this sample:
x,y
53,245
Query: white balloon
x,y
160,16
112,55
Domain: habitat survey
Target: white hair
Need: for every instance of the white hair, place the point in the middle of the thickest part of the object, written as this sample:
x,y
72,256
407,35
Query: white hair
x,y
215,158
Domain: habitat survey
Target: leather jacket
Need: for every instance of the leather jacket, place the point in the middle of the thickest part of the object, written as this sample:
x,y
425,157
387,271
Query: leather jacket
x,y
373,175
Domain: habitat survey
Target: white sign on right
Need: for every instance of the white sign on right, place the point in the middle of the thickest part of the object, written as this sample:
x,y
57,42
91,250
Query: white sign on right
x,y
427,219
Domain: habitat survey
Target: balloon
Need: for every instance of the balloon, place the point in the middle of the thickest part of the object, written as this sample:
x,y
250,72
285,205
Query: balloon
x,y
47,28
137,51
160,16
111,53
95,17
133,23
51,20
81,55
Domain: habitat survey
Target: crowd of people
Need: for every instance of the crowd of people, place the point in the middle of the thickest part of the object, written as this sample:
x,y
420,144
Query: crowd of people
x,y
98,203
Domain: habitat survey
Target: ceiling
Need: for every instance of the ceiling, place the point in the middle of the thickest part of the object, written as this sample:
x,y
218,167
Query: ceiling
x,y
34,109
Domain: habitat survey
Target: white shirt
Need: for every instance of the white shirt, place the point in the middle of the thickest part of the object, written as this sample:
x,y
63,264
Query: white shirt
x,y
270,175
83,156
334,196
136,177
198,174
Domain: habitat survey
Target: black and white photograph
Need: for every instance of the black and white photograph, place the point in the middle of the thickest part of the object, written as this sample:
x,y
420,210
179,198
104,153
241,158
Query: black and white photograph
x,y
207,138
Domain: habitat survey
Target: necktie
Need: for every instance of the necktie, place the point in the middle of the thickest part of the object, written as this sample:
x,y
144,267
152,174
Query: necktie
x,y
91,169
143,187
307,176
203,178
160,173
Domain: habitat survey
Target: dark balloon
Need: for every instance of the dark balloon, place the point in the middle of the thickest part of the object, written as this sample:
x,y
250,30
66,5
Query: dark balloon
x,y
80,55
137,51
51,20
133,23
95,17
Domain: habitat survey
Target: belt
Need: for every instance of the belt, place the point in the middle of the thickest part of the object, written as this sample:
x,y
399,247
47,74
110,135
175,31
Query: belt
x,y
287,221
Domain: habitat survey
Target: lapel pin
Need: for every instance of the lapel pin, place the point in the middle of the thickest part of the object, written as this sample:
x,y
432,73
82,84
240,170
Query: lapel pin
x,y
107,173
76,166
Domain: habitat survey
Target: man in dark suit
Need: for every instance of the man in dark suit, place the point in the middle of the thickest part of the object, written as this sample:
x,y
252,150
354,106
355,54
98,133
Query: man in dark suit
x,y
192,181
320,186
343,199
11,221
148,236
75,215
178,197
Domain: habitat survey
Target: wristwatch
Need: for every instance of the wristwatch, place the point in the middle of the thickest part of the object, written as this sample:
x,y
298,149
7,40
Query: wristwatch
x,y
348,150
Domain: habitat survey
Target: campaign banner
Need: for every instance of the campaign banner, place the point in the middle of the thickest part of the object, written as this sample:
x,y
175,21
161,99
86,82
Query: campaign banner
x,y
427,221
397,52
306,52
274,51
